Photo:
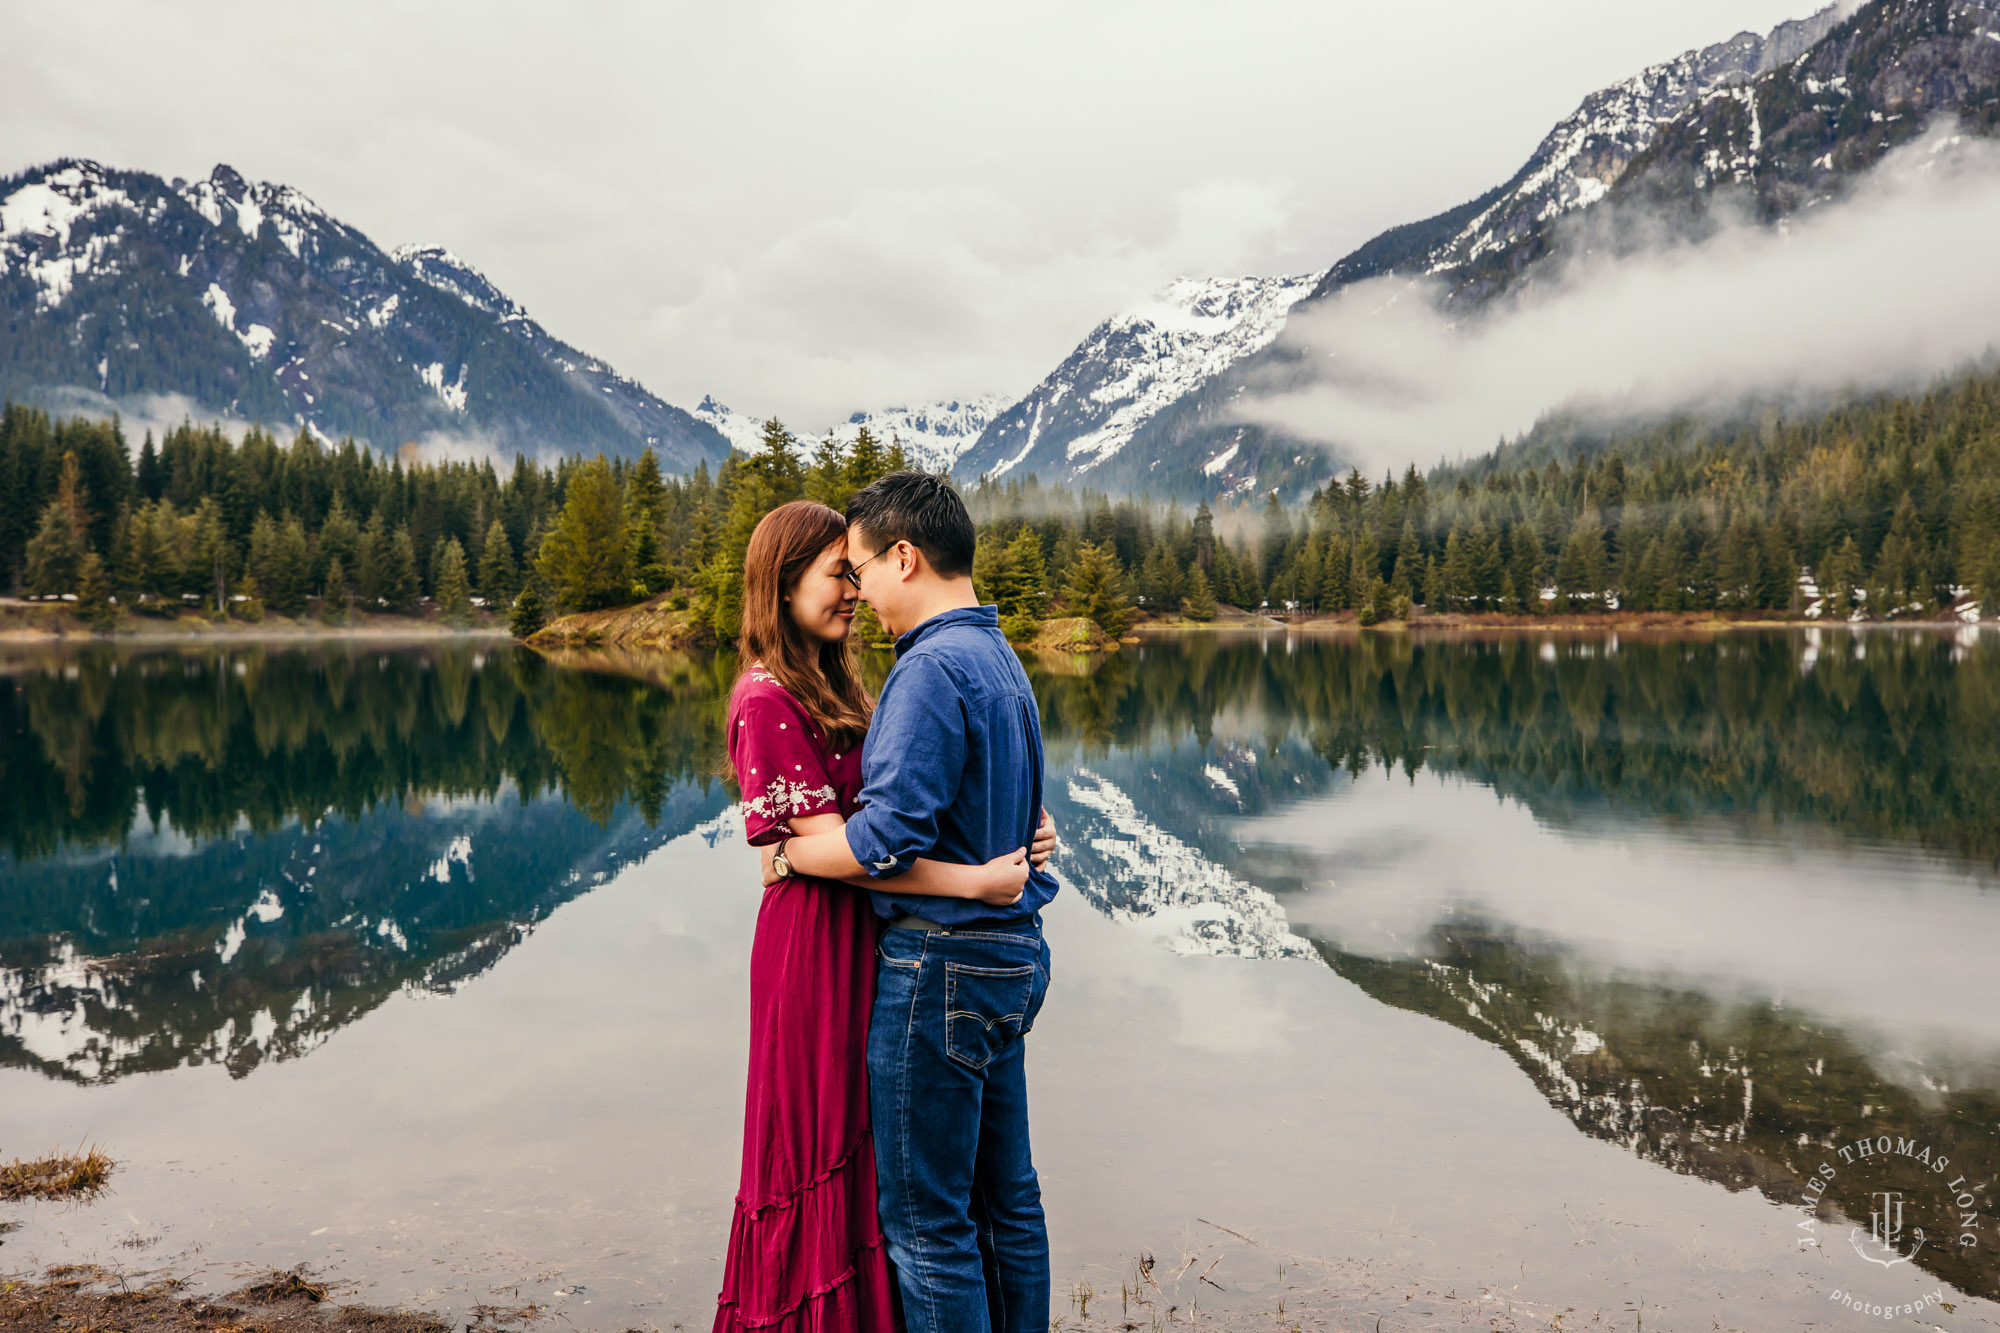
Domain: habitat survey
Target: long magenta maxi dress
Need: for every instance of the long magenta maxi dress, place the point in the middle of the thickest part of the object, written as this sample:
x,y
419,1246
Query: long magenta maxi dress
x,y
805,1244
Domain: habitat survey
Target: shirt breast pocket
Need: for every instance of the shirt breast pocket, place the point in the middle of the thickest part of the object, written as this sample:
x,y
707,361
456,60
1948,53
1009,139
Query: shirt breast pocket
x,y
985,1009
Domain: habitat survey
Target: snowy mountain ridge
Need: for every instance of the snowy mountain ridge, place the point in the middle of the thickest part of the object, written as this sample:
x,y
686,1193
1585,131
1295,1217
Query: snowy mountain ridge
x,y
934,435
1128,369
253,303
1578,161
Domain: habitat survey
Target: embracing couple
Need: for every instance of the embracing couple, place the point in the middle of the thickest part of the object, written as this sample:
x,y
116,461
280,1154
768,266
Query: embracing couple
x,y
898,962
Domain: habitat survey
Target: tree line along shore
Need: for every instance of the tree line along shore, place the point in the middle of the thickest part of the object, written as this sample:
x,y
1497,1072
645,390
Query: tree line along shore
x,y
1885,508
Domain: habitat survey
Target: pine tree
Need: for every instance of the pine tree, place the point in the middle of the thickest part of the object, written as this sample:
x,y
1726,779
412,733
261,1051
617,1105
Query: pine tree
x,y
292,569
372,565
1096,590
1162,580
213,556
1455,578
584,559
339,538
866,462
1204,538
1336,581
1409,561
54,557
1199,603
1739,567
1026,590
454,595
499,578
645,504
262,564
527,615
400,588
93,595
1901,580
827,478
777,463
1583,571
336,600
1840,580
1488,570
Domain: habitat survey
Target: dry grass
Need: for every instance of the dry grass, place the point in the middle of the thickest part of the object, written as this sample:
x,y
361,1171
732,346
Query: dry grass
x,y
283,1286
83,1174
75,1299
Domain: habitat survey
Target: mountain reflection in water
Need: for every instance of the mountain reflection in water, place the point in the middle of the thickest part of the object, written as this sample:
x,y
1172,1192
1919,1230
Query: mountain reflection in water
x,y
1226,767
222,857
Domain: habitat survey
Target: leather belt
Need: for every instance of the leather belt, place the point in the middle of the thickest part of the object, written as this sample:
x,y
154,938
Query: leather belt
x,y
915,923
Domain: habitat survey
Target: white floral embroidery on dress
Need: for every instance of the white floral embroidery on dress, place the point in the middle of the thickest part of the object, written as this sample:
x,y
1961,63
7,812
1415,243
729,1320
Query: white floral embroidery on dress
x,y
784,798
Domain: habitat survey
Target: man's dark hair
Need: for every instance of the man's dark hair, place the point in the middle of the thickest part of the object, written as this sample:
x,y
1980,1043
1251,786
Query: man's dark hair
x,y
922,509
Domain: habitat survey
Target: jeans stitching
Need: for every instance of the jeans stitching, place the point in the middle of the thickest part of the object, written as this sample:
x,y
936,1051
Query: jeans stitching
x,y
916,1237
951,975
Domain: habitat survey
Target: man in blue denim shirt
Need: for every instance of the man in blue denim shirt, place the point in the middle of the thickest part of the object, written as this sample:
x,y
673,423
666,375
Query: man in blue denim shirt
x,y
952,770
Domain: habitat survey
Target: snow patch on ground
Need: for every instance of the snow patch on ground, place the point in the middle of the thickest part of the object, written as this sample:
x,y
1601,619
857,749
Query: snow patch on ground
x,y
220,306
451,395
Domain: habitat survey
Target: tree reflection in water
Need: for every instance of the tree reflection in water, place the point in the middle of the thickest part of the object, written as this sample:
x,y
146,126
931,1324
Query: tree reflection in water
x,y
222,857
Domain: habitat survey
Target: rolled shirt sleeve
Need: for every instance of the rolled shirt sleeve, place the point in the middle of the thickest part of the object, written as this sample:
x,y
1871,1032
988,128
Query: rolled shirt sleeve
x,y
912,766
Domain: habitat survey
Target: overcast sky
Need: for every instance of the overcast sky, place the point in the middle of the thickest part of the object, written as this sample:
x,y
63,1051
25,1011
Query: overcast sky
x,y
816,207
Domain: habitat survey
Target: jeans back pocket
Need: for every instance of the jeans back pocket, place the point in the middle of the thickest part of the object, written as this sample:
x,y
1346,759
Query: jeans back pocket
x,y
985,1008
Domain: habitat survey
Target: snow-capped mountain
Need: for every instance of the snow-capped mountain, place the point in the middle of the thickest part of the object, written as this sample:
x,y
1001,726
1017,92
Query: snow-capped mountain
x,y
1577,163
934,435
250,301
1779,122
1131,367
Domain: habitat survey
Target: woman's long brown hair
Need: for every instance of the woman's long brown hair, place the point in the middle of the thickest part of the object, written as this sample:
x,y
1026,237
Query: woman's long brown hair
x,y
822,676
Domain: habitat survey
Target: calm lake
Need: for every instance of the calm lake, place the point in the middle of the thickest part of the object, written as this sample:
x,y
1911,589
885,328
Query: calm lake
x,y
1440,979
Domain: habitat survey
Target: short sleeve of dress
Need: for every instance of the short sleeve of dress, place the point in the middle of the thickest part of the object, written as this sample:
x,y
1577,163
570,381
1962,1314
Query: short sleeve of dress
x,y
778,764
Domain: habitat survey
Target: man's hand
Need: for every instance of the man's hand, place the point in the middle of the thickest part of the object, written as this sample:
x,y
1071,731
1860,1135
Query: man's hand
x,y
1003,879
1045,841
771,876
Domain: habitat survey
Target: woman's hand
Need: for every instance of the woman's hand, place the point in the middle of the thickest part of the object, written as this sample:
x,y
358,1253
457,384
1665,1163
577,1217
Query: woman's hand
x,y
1001,881
1045,842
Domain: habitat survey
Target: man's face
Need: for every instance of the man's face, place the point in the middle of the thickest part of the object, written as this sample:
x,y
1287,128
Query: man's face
x,y
875,567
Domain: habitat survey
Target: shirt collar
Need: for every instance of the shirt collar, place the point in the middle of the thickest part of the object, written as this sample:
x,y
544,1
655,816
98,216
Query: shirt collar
x,y
963,615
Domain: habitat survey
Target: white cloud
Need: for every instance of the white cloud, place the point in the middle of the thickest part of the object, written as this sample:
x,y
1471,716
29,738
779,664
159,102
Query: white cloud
x,y
673,186
1894,285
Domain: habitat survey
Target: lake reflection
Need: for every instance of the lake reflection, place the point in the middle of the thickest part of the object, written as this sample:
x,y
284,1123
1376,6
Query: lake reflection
x,y
1724,904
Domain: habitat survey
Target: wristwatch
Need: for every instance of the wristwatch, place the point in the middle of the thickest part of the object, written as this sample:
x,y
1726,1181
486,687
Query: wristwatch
x,y
780,863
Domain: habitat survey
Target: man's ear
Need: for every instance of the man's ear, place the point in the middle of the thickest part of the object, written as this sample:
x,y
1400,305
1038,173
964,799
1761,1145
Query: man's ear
x,y
915,556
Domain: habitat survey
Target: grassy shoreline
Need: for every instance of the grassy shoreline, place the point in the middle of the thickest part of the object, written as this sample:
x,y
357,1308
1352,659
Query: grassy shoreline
x,y
57,623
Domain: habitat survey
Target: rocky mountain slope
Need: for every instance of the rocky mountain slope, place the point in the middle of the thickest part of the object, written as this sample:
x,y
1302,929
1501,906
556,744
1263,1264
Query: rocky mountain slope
x,y
249,301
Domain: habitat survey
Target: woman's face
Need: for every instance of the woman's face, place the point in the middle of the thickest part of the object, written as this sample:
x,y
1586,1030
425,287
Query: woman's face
x,y
822,603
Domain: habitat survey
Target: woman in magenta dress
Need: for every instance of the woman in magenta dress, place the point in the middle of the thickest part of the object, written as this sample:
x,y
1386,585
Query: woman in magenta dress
x,y
805,1246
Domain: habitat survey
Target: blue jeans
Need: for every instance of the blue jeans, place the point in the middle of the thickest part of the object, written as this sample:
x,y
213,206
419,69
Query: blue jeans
x,y
948,1093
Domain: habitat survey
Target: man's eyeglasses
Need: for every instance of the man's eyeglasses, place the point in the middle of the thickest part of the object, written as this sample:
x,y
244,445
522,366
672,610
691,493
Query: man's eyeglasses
x,y
853,576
